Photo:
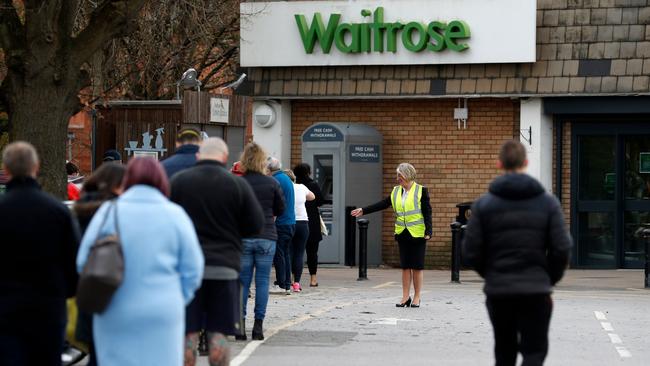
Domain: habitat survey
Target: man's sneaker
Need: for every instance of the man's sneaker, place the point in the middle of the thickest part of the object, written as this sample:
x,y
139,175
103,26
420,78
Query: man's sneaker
x,y
276,290
296,287
288,292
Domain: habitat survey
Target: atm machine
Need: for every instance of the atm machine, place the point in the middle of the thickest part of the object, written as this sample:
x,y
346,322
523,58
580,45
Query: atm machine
x,y
346,161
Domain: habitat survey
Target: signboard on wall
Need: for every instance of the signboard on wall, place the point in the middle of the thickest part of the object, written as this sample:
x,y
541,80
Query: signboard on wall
x,y
387,32
219,108
322,132
364,153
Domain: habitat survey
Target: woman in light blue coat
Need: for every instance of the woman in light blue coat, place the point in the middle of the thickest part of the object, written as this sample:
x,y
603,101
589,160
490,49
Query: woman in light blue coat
x,y
145,322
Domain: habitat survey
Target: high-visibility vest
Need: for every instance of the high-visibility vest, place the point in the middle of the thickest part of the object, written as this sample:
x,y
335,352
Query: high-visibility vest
x,y
408,216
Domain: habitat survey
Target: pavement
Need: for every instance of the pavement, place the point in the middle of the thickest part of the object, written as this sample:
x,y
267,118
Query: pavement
x,y
600,318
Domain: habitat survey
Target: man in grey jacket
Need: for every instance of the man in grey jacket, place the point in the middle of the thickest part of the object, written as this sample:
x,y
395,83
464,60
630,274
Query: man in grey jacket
x,y
517,240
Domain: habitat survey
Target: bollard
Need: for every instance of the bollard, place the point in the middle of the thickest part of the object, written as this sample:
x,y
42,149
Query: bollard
x,y
455,251
646,235
363,249
350,237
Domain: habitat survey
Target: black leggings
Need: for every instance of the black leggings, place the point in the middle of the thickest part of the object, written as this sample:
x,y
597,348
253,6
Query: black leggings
x,y
312,255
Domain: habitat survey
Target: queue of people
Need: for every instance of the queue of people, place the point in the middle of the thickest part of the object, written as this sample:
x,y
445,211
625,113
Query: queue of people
x,y
192,235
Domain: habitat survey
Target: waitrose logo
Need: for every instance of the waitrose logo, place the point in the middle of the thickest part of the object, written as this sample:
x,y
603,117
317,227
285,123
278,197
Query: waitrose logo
x,y
371,37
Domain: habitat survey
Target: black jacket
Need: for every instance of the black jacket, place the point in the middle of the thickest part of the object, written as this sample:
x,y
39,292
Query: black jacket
x,y
222,206
516,238
39,242
270,196
313,214
183,158
425,207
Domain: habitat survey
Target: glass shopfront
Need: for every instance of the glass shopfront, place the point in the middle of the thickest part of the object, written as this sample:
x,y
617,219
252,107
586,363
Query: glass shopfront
x,y
611,186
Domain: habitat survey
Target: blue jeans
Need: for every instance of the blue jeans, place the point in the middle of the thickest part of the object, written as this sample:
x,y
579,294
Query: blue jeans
x,y
282,260
298,249
257,254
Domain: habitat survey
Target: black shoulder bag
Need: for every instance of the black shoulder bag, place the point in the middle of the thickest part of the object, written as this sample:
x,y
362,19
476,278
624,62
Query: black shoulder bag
x,y
103,272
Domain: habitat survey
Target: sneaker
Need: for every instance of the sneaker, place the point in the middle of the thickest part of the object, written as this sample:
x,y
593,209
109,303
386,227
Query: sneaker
x,y
296,287
276,290
288,292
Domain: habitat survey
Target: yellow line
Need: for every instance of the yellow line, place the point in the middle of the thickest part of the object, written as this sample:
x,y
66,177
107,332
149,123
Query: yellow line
x,y
385,284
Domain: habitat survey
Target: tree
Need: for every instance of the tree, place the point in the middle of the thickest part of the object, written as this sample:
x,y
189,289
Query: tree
x,y
46,45
62,54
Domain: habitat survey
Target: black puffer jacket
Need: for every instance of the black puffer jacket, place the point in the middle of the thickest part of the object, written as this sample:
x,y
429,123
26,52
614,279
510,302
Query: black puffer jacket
x,y
270,196
516,238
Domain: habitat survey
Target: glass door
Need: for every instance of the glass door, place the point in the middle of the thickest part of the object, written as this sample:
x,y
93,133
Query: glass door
x,y
596,204
636,205
611,193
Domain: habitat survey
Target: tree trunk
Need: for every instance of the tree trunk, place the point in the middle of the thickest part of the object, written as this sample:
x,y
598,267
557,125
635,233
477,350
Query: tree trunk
x,y
40,116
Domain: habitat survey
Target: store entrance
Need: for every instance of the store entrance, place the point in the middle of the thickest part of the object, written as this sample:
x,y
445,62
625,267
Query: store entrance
x,y
611,186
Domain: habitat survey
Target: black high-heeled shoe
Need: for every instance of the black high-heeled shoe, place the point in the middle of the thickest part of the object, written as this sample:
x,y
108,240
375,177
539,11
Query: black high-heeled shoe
x,y
414,305
405,304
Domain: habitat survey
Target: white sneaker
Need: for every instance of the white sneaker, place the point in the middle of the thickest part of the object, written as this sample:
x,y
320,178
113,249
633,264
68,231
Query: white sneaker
x,y
288,292
275,289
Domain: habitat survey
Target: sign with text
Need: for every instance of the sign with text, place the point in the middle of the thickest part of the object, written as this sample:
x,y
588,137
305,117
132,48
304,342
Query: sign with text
x,y
364,153
219,110
322,132
387,32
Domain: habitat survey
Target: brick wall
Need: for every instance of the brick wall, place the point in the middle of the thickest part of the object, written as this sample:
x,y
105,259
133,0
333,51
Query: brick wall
x,y
456,165
81,125
566,170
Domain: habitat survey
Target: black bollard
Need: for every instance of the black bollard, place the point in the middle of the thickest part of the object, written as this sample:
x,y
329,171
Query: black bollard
x,y
363,249
455,251
646,235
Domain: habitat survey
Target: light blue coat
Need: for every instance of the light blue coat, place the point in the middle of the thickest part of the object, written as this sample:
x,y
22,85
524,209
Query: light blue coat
x,y
145,321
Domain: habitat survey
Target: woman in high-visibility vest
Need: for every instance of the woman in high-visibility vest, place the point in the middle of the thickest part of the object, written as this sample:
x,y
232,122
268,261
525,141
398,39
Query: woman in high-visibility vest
x,y
410,201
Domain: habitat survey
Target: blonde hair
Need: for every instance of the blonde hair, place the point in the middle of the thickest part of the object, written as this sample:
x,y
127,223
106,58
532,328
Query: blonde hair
x,y
253,159
407,171
290,174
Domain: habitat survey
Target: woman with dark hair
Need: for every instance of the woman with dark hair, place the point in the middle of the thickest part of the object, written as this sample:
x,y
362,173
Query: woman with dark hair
x,y
163,266
103,185
303,176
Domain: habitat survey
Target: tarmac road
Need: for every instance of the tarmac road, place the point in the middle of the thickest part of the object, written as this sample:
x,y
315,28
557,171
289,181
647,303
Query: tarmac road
x,y
600,318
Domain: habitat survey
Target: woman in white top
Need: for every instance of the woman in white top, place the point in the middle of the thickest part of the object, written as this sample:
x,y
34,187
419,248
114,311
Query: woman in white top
x,y
302,194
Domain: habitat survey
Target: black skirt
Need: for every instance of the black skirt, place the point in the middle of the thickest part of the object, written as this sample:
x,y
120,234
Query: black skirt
x,y
411,250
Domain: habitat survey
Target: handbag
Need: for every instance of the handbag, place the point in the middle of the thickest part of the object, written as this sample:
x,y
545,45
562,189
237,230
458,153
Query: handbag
x,y
323,228
103,272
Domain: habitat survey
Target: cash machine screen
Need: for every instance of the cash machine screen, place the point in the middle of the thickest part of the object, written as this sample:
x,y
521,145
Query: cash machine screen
x,y
323,174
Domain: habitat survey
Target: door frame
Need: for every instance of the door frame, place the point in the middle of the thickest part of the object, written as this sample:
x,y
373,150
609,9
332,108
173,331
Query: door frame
x,y
618,126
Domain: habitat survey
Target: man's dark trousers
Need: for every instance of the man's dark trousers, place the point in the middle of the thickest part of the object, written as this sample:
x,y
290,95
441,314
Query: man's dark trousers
x,y
521,324
282,259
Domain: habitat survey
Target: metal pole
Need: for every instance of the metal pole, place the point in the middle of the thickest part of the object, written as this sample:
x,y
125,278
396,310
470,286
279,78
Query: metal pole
x,y
363,249
455,251
646,235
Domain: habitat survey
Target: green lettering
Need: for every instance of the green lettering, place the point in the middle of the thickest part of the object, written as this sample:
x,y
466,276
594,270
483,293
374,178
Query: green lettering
x,y
339,38
407,37
365,38
317,32
378,27
392,30
436,31
456,30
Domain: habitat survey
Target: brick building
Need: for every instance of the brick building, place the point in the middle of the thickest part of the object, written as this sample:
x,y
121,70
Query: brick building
x,y
569,78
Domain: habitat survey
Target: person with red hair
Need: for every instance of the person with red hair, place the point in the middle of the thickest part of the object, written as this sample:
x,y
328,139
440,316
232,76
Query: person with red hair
x,y
145,321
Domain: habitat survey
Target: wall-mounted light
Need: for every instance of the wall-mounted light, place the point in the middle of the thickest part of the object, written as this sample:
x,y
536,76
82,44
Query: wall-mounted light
x,y
264,115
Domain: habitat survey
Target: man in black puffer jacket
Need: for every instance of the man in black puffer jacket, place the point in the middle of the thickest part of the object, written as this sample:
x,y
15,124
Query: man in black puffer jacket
x,y
517,240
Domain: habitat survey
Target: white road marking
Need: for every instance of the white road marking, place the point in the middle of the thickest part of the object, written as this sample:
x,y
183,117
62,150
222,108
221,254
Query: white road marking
x,y
390,321
623,352
607,326
600,315
385,284
615,338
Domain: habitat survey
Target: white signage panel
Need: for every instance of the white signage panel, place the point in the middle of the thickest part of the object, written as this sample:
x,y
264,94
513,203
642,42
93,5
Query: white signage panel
x,y
388,32
219,108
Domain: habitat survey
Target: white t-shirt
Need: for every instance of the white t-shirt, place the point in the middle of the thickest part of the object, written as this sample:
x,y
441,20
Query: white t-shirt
x,y
301,197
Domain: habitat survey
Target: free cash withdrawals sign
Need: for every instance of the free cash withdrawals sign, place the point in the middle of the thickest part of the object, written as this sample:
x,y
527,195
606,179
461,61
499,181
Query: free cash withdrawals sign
x,y
364,153
388,32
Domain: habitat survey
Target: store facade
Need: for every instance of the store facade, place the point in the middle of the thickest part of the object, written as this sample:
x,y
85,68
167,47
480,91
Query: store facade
x,y
445,83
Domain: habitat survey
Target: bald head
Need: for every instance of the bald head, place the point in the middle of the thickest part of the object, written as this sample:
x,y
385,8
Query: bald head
x,y
20,159
214,148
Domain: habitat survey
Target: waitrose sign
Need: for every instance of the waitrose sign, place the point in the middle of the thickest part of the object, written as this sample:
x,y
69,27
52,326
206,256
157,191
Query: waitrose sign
x,y
389,32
